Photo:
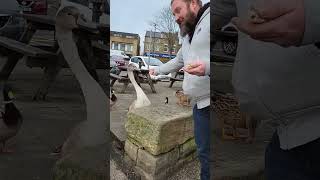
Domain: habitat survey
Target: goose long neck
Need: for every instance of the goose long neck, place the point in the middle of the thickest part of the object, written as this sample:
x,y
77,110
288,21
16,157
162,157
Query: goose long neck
x,y
89,86
133,81
93,132
142,99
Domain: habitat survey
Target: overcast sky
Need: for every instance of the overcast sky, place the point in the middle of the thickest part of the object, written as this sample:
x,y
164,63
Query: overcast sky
x,y
132,16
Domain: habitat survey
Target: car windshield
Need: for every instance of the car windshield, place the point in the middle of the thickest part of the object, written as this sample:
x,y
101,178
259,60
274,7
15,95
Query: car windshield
x,y
116,58
82,2
7,6
153,61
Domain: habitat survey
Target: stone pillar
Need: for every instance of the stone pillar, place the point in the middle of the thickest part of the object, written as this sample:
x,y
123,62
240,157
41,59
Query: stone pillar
x,y
159,140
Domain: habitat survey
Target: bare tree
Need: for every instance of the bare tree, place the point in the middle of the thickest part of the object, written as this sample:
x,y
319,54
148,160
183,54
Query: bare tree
x,y
165,21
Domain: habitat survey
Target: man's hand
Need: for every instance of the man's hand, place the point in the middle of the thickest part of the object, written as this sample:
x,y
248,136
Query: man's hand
x,y
152,72
196,68
283,22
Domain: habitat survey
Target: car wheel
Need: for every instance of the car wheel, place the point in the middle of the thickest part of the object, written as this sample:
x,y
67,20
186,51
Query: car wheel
x,y
230,45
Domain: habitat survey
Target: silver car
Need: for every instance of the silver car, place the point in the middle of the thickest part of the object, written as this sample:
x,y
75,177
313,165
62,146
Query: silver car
x,y
10,26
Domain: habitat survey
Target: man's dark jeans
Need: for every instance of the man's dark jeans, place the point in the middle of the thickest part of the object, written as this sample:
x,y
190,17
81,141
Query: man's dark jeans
x,y
202,137
300,163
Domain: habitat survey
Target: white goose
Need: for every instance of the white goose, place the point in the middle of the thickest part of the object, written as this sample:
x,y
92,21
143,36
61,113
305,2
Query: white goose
x,y
142,99
93,130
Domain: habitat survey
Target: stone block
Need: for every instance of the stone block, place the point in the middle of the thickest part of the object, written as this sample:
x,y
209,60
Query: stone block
x,y
187,148
131,150
167,171
159,129
154,165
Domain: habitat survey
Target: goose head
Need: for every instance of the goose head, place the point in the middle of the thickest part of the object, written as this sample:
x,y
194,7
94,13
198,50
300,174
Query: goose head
x,y
67,18
142,99
132,67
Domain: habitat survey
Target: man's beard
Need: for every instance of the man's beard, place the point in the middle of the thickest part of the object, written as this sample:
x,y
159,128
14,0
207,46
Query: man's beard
x,y
188,24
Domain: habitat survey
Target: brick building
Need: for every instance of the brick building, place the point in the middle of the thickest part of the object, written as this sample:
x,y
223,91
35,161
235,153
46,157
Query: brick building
x,y
127,42
156,44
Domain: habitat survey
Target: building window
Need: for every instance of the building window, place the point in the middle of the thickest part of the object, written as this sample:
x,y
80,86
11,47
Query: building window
x,y
122,47
157,47
115,45
129,47
157,40
165,48
147,46
148,39
173,49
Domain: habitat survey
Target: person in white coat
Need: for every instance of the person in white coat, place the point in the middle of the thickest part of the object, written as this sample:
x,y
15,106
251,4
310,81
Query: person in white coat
x,y
194,56
275,77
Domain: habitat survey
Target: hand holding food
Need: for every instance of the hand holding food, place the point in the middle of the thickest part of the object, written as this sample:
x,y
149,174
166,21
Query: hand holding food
x,y
195,68
254,17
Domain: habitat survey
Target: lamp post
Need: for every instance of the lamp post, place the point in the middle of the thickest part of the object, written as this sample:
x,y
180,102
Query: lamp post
x,y
150,45
154,38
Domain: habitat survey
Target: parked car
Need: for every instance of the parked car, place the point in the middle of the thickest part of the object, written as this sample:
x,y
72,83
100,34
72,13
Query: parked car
x,y
224,44
230,43
116,61
10,25
119,53
223,51
33,6
119,60
146,63
114,67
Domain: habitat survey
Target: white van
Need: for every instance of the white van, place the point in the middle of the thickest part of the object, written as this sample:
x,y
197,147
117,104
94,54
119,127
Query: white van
x,y
119,53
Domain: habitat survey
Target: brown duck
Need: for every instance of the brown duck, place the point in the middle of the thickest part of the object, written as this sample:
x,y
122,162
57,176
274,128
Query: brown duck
x,y
11,118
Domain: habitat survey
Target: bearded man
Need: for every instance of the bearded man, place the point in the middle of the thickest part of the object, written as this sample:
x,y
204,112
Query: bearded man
x,y
194,56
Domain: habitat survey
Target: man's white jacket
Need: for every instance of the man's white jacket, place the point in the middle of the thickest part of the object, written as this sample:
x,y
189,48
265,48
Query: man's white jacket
x,y
197,87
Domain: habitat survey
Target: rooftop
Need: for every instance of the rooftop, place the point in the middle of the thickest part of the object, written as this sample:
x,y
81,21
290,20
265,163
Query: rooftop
x,y
124,34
